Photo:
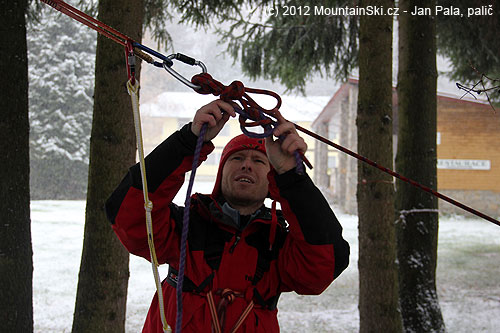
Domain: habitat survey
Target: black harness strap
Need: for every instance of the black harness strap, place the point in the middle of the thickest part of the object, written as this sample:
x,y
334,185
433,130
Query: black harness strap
x,y
190,287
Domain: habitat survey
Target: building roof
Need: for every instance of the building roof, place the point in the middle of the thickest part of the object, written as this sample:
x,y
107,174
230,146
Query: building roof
x,y
333,104
185,104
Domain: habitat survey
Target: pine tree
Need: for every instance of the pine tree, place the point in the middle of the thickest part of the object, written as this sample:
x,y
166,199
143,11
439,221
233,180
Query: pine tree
x,y
16,256
417,226
288,48
61,69
470,42
103,279
375,191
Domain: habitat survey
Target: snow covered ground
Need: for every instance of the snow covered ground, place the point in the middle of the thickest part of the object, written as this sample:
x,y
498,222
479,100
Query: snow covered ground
x,y
468,276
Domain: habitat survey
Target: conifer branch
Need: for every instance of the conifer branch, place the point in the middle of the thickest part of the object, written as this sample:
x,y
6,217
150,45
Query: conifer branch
x,y
485,85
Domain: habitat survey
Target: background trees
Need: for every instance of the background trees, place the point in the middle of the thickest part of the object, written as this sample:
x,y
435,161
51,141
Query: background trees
x,y
61,69
16,257
470,42
288,48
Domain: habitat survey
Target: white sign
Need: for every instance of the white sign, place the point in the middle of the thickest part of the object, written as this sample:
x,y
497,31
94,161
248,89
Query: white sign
x,y
464,164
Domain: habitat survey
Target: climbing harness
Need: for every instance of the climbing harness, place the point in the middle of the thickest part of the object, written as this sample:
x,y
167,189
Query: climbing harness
x,y
203,83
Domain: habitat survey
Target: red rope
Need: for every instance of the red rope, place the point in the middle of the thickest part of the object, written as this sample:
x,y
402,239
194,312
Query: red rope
x,y
396,175
236,91
88,20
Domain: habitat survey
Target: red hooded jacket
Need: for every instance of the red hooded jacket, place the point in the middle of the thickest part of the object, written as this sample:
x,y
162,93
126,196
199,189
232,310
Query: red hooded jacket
x,y
297,249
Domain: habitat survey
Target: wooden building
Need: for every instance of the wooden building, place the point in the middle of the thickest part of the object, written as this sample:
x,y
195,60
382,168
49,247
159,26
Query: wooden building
x,y
468,150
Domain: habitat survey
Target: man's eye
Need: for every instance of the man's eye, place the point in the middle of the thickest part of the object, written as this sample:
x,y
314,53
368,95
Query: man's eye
x,y
260,161
237,158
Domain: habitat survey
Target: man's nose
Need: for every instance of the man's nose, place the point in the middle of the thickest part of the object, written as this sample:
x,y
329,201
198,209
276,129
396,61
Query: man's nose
x,y
246,164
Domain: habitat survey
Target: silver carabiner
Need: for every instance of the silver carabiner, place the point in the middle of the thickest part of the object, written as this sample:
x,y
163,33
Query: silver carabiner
x,y
187,60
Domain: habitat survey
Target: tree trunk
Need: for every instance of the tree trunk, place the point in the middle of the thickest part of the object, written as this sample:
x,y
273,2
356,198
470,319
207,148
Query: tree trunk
x,y
103,279
16,255
417,226
378,290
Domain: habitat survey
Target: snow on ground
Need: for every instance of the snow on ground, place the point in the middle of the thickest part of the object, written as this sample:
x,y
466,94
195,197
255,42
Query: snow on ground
x,y
468,276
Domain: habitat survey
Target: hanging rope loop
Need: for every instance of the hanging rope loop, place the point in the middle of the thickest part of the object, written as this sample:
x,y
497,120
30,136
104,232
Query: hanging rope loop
x,y
133,90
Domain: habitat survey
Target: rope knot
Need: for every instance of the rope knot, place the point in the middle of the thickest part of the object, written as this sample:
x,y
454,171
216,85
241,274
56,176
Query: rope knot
x,y
234,91
228,295
207,84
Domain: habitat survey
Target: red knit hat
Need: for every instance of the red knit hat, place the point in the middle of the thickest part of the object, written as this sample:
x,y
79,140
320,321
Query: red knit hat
x,y
241,142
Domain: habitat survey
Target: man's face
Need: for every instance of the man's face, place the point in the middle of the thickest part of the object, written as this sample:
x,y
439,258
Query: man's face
x,y
244,178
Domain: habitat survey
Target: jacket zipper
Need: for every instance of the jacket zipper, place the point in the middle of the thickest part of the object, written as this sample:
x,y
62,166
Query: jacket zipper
x,y
236,241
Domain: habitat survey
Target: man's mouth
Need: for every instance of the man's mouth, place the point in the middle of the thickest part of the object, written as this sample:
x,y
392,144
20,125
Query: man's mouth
x,y
244,179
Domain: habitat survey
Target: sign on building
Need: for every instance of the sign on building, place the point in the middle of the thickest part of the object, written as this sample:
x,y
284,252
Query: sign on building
x,y
464,164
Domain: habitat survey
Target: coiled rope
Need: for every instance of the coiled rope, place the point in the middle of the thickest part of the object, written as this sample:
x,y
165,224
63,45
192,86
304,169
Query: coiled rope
x,y
251,110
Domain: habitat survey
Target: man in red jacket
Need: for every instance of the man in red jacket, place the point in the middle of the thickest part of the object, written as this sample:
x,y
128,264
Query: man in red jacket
x,y
241,255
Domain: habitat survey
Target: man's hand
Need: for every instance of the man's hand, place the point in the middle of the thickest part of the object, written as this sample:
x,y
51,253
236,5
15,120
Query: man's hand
x,y
281,153
216,114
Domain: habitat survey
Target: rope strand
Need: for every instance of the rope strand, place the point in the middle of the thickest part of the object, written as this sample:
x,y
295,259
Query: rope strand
x,y
133,90
185,228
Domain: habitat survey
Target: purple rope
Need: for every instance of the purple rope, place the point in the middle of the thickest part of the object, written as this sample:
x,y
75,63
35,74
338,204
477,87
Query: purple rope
x,y
300,163
185,228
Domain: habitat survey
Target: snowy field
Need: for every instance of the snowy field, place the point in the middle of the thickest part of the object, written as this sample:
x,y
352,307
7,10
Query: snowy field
x,y
468,276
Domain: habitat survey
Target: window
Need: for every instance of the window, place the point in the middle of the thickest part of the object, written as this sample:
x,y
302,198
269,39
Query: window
x,y
332,162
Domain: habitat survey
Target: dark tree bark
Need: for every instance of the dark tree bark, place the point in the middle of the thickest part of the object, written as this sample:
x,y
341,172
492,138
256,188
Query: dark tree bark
x,y
417,226
103,279
16,255
378,290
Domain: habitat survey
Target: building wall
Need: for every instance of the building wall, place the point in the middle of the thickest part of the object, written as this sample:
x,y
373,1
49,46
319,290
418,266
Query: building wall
x,y
468,131
346,176
468,138
487,202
